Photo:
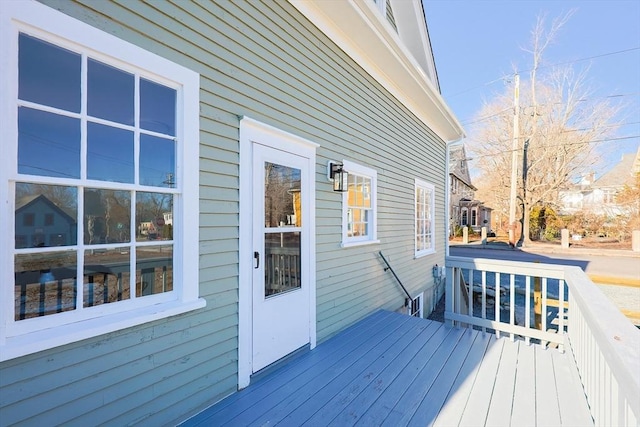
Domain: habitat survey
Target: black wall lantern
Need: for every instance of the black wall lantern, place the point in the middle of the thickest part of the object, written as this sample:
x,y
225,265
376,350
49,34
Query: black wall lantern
x,y
339,176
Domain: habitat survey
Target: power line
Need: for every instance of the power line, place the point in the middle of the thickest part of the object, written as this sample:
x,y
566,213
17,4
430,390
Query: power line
x,y
545,66
465,122
552,145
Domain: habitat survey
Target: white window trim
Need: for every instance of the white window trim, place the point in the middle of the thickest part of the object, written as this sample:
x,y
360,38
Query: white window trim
x,y
372,238
44,22
430,187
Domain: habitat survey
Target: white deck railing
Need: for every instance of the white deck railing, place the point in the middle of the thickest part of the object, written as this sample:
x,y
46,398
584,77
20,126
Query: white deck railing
x,y
554,305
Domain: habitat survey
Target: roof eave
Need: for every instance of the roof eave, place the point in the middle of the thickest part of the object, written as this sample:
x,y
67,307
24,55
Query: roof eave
x,y
361,32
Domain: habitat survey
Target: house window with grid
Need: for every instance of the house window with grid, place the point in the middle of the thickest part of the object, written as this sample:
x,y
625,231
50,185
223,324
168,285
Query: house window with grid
x,y
97,143
359,205
425,219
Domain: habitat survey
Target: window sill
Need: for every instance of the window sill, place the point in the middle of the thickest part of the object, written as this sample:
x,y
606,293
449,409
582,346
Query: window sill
x,y
424,254
359,243
25,344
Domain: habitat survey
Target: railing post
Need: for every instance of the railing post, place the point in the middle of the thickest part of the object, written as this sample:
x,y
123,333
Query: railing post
x,y
450,294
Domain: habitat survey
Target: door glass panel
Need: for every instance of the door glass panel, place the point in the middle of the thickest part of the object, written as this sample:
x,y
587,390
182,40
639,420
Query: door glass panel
x,y
282,205
282,262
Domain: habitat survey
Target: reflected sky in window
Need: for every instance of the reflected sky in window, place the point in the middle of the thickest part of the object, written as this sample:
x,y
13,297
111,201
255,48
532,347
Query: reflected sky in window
x,y
48,144
49,75
109,153
157,108
157,161
110,93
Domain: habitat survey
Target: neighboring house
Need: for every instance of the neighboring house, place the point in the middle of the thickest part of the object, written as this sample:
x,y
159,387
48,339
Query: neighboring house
x,y
242,104
464,209
598,196
39,222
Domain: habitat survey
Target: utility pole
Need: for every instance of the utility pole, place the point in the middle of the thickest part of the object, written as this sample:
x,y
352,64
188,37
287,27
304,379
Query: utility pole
x,y
514,163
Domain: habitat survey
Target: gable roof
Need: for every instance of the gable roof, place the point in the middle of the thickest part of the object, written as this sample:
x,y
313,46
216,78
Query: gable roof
x,y
30,200
458,166
402,62
622,173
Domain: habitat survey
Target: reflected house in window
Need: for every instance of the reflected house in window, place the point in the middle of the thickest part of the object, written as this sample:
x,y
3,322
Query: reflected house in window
x,y
40,223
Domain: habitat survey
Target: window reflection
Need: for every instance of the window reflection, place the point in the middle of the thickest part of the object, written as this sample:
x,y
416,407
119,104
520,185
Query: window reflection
x,y
109,153
107,216
282,263
48,144
45,215
282,205
154,270
157,108
106,276
110,93
157,161
154,216
45,283
49,75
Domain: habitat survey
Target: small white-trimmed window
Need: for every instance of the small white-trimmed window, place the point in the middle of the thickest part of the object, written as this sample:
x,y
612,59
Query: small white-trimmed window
x,y
97,182
359,219
464,219
425,219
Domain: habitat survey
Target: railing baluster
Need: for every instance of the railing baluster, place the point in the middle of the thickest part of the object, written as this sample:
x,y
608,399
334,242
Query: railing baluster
x,y
59,297
512,303
497,302
561,310
470,294
164,278
527,307
484,297
119,280
42,297
90,291
451,294
23,301
544,308
105,288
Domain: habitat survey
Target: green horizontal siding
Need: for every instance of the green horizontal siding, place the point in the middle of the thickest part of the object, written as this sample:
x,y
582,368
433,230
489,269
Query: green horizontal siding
x,y
264,60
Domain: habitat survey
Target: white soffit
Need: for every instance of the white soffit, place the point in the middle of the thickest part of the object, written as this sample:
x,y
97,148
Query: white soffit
x,y
361,32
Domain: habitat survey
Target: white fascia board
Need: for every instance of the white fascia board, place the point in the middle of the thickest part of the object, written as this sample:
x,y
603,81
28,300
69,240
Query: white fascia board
x,y
359,30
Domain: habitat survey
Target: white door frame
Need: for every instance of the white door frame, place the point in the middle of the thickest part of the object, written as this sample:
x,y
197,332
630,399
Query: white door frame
x,y
251,130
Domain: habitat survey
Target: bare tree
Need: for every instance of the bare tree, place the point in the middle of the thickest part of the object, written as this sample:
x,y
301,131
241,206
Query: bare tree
x,y
560,123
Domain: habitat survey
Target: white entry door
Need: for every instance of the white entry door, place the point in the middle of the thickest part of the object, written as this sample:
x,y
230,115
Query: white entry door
x,y
281,248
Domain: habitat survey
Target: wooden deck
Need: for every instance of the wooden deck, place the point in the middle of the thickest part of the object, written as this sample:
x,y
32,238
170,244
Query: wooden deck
x,y
395,370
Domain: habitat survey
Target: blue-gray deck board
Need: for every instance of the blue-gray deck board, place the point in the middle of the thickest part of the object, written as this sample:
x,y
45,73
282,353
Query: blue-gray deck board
x,y
392,369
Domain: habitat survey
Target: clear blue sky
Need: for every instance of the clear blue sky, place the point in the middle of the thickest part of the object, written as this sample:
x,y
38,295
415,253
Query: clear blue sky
x,y
477,42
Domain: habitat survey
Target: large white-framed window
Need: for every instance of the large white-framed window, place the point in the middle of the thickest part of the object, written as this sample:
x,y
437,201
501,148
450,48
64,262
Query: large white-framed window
x,y
359,205
425,218
98,182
